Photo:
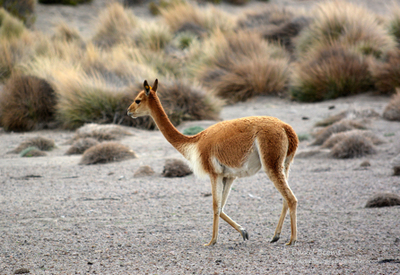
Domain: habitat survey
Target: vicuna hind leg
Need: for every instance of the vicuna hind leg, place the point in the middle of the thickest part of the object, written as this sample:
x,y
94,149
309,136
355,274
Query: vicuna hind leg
x,y
216,191
276,172
285,207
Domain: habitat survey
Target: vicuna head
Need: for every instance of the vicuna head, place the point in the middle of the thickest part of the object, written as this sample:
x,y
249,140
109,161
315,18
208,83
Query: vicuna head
x,y
140,106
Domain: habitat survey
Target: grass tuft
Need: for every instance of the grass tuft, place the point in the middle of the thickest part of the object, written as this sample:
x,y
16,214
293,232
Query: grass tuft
x,y
41,143
330,73
27,103
383,200
386,73
175,168
81,145
341,126
353,146
32,152
106,152
392,110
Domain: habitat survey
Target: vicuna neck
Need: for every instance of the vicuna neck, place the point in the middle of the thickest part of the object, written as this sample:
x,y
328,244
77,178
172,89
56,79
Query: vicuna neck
x,y
176,138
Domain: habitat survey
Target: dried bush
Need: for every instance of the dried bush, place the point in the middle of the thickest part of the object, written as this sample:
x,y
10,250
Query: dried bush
x,y
116,24
81,145
383,200
349,114
32,152
64,32
64,2
394,21
26,103
392,110
41,143
340,22
275,24
175,168
101,132
341,126
106,152
338,137
330,73
180,13
386,73
21,9
153,36
241,65
10,26
353,146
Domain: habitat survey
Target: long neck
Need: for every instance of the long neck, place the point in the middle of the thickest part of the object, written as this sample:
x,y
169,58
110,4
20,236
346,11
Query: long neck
x,y
176,138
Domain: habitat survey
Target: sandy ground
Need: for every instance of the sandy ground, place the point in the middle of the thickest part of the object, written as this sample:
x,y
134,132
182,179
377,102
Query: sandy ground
x,y
58,217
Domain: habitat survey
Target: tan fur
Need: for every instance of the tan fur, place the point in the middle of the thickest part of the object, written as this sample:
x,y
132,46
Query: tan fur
x,y
231,149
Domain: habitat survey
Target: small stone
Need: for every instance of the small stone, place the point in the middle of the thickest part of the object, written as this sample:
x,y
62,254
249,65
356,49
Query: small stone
x,y
365,163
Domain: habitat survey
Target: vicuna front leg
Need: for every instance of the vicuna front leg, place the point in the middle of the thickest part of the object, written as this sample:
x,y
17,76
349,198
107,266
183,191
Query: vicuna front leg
x,y
217,188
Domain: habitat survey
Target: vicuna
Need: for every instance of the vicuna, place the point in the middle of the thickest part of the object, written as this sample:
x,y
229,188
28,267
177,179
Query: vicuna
x,y
231,149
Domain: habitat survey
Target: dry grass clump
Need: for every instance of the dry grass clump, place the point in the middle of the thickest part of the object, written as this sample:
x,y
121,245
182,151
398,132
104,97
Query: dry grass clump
x,y
383,200
116,24
21,9
41,143
341,126
153,36
353,146
101,132
175,168
339,137
393,23
241,65
81,145
10,26
181,13
32,152
275,23
330,73
349,114
64,32
26,103
185,101
106,152
340,22
386,73
392,110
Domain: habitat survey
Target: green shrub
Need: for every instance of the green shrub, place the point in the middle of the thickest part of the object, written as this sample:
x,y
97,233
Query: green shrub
x,y
10,26
191,131
65,2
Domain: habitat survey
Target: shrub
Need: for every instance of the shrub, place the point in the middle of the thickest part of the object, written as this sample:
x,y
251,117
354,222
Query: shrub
x,y
81,145
175,168
27,103
383,200
32,152
41,143
339,137
21,9
341,126
10,26
274,23
179,13
191,131
394,22
339,22
331,73
392,110
386,73
64,32
101,132
242,65
64,2
153,36
144,171
106,152
353,146
116,25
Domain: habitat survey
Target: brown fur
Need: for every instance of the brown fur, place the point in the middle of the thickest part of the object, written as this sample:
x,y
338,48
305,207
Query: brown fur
x,y
231,149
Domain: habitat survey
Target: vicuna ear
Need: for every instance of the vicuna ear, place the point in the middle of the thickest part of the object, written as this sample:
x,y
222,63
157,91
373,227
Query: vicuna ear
x,y
155,85
147,88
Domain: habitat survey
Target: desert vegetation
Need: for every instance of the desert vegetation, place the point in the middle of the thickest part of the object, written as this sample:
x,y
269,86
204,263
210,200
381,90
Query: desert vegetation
x,y
205,57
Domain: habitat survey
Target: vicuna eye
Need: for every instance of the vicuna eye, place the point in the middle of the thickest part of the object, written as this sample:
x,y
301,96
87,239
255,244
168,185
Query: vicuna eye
x,y
137,101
